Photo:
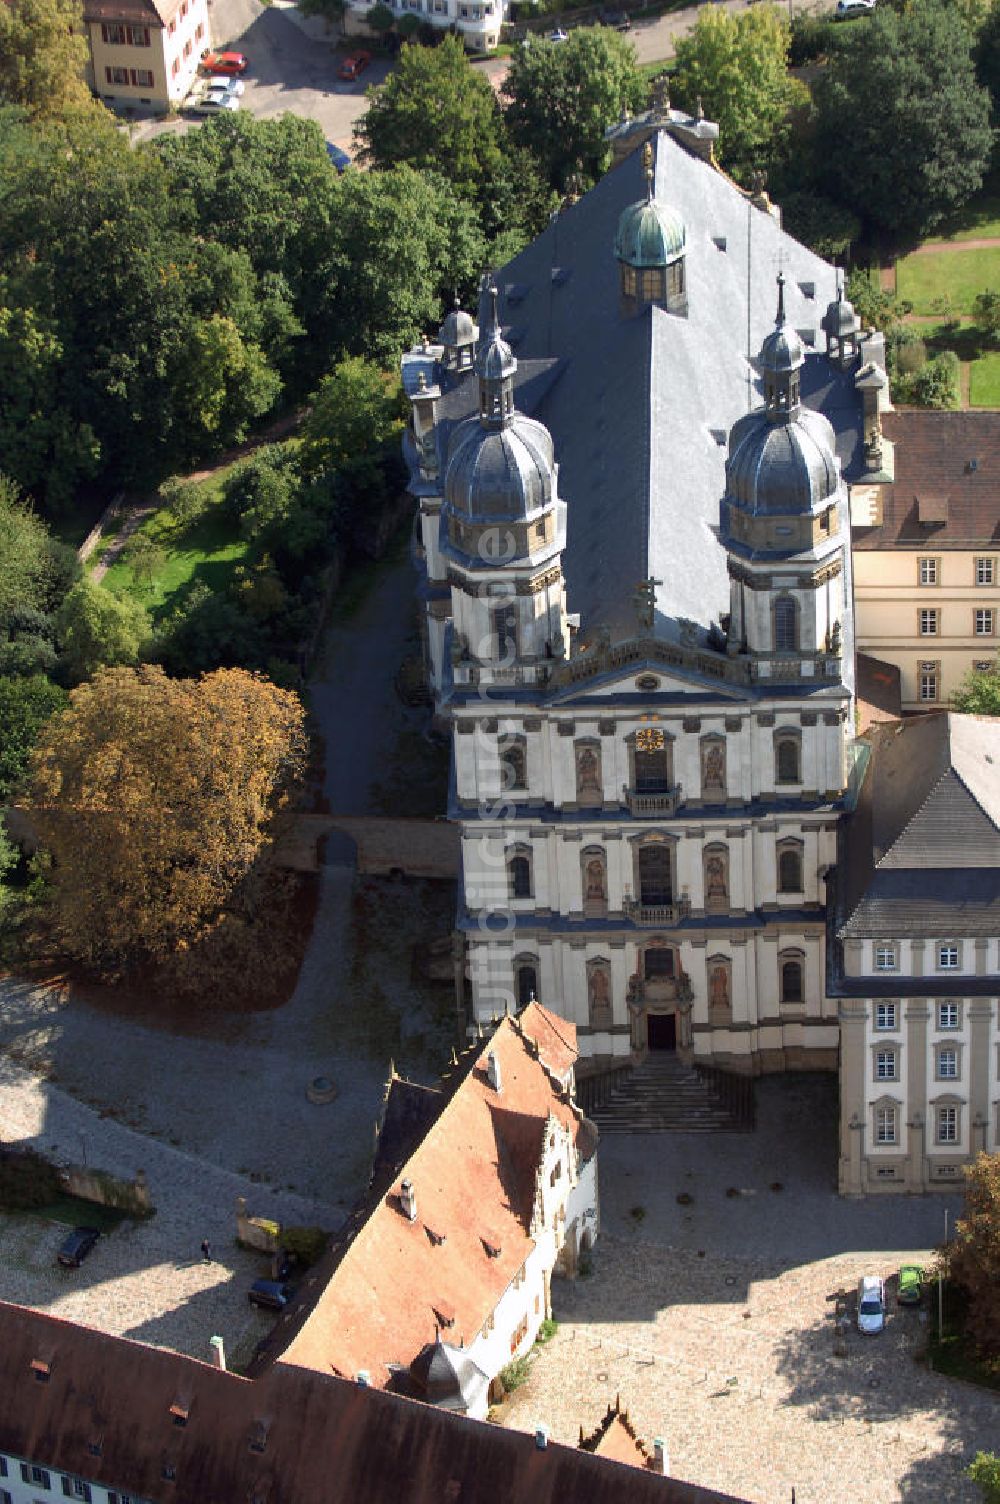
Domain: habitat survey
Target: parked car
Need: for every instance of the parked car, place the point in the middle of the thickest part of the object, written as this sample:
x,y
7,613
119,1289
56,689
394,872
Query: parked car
x,y
225,62
871,1304
848,9
271,1294
213,102
352,67
558,35
77,1246
619,19
338,156
910,1291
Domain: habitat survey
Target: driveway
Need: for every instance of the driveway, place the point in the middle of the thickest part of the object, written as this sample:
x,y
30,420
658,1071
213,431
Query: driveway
x,y
715,1320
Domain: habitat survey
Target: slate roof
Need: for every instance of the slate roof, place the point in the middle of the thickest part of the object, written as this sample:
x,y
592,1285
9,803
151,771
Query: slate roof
x,y
641,405
922,852
396,1283
290,1437
946,465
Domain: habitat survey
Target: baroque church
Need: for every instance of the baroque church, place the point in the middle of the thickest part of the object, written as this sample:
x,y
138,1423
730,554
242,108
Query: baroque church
x,y
632,477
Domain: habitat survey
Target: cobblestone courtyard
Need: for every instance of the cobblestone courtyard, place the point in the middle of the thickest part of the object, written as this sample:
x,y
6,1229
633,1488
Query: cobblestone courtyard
x,y
714,1322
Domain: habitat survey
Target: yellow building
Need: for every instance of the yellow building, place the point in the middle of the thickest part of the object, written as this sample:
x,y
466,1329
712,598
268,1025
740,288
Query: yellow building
x,y
145,53
927,552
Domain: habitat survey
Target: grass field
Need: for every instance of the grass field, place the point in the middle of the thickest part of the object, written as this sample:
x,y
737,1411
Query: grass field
x,y
206,552
922,279
984,381
977,221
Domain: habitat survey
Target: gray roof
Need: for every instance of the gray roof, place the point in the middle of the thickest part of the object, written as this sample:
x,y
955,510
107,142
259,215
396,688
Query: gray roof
x,y
642,404
448,1377
922,855
782,466
503,472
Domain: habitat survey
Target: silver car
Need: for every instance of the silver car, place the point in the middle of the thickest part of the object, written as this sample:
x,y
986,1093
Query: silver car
x,y
871,1304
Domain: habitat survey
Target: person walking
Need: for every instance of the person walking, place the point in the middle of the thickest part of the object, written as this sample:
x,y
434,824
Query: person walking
x,y
206,1250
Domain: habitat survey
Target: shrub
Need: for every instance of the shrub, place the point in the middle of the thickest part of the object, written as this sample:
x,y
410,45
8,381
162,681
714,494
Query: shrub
x,y
515,1374
935,385
547,1330
307,1244
183,502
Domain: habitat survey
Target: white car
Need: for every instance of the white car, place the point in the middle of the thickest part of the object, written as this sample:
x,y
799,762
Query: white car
x,y
215,101
234,86
871,1304
848,8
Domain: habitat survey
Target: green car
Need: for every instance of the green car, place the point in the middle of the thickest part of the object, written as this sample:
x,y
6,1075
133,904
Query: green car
x,y
911,1285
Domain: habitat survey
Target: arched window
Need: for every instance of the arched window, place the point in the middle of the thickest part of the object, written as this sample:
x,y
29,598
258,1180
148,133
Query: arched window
x,y
787,760
519,875
786,625
790,974
790,869
651,761
513,766
525,979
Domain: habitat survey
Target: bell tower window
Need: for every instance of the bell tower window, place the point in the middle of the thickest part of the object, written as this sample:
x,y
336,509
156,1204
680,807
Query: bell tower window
x,y
786,625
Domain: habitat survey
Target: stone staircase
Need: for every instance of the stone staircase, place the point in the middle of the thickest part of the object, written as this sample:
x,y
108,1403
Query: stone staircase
x,y
662,1095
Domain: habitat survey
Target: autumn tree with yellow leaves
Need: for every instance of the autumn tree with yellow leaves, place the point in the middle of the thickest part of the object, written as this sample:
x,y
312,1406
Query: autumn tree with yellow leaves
x,y
156,799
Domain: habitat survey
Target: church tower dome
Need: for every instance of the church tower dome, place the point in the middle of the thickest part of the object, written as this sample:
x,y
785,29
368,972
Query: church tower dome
x,y
458,337
650,246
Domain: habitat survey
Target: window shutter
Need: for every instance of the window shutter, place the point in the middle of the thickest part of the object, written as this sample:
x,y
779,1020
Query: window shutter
x,y
135,79
67,1488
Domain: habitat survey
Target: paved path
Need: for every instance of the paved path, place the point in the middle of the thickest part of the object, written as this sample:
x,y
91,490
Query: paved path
x,y
984,243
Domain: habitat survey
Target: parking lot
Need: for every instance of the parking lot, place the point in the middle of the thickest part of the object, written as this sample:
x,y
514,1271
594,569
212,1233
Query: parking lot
x,y
715,1321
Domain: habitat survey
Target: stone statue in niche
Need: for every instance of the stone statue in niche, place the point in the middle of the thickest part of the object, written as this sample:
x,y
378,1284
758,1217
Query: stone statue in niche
x,y
596,891
588,771
718,987
713,768
600,990
716,885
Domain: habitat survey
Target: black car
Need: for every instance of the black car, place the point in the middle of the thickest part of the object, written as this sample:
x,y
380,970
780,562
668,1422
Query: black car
x,y
270,1293
76,1247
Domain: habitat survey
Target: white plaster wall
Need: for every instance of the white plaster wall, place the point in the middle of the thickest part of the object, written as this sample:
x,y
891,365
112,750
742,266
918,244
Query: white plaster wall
x,y
31,1493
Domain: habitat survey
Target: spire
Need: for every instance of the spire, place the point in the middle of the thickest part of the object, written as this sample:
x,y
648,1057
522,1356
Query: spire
x,y
779,322
495,365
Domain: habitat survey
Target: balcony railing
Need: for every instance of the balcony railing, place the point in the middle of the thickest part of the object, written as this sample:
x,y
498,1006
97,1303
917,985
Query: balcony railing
x,y
656,913
662,803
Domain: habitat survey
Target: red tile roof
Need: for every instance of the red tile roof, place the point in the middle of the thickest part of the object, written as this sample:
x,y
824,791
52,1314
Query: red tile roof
x,y
946,491
554,1036
614,1439
290,1437
142,12
397,1282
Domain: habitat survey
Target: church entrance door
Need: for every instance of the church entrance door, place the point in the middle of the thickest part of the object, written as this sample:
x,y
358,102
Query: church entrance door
x,y
661,1031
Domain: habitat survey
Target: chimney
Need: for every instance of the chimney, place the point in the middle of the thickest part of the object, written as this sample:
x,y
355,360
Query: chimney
x,y
218,1353
493,1072
408,1198
661,1457
541,1437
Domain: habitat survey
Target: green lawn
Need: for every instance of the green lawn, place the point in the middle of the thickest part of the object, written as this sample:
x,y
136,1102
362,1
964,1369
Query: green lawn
x,y
206,552
977,221
984,381
922,279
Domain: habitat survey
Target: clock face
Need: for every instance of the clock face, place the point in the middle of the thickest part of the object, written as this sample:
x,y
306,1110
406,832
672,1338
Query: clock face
x,y
649,740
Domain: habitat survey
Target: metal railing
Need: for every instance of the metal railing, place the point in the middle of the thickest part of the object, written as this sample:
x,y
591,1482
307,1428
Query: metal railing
x,y
645,803
656,913
594,1090
734,1092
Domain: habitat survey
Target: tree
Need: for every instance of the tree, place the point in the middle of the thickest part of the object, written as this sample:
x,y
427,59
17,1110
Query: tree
x,y
737,64
43,56
97,628
820,224
380,20
355,414
146,557
28,557
979,693
156,799
984,1470
44,449
25,706
331,11
400,243
436,112
972,1258
562,98
903,127
987,312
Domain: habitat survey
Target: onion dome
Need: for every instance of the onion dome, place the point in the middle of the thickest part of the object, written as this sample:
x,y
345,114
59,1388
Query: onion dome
x,y
503,473
494,358
781,468
782,350
649,234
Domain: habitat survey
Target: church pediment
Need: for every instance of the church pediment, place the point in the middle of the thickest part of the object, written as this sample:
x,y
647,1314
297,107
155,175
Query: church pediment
x,y
647,677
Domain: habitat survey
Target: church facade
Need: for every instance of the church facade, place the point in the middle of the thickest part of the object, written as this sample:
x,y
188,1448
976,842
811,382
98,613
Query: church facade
x,y
631,473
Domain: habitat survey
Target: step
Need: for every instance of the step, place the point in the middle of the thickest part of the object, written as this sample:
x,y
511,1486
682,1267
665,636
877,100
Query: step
x,y
663,1095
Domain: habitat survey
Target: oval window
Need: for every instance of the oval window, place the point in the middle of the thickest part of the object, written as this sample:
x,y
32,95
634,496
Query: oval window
x,y
647,683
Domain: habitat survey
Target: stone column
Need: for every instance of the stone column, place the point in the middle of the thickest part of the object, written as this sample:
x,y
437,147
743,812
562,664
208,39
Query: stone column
x,y
916,1013
980,1013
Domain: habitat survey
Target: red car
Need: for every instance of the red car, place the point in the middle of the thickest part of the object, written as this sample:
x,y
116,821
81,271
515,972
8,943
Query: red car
x,y
225,62
352,66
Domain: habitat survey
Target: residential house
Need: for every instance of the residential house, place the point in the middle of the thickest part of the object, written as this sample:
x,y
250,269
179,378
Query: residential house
x,y
915,959
477,22
927,553
145,52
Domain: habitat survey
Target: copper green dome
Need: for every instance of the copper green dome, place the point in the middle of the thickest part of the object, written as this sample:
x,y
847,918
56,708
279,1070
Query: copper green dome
x,y
649,234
